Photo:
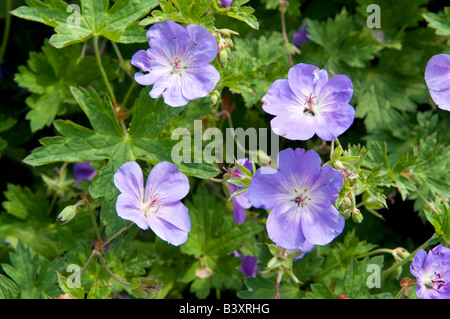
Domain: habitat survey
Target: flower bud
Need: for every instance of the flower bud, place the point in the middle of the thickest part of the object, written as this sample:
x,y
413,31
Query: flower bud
x,y
336,154
357,216
67,214
223,57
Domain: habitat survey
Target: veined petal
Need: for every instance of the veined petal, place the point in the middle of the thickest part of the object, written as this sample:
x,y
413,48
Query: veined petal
x,y
171,223
239,214
437,72
173,94
156,73
280,98
141,60
169,37
268,190
306,79
199,82
334,120
167,183
130,180
283,226
321,225
338,90
202,47
294,125
129,209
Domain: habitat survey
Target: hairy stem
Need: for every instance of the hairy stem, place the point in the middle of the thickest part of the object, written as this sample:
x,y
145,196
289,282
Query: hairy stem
x,y
6,30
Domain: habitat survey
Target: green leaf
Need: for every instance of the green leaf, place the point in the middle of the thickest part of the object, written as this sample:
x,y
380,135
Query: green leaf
x,y
341,43
100,291
319,291
33,276
75,24
23,203
439,21
350,247
108,141
48,75
77,292
213,231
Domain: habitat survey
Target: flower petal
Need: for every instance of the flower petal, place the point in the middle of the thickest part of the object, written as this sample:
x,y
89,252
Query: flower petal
x,y
199,82
202,46
268,190
321,225
169,37
283,226
141,59
130,181
338,90
128,208
306,79
167,182
171,223
239,214
280,99
294,126
332,121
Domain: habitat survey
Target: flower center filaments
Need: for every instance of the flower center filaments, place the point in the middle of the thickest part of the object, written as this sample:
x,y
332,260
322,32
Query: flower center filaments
x,y
152,206
309,105
435,283
300,200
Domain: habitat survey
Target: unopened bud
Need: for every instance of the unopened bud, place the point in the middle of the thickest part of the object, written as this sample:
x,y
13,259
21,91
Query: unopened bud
x,y
357,216
400,253
346,213
215,95
223,57
67,214
337,152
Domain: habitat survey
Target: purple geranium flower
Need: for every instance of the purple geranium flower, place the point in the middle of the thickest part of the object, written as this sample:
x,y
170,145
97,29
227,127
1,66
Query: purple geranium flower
x,y
226,3
158,206
432,272
437,77
300,196
82,171
177,62
240,201
308,103
301,35
248,265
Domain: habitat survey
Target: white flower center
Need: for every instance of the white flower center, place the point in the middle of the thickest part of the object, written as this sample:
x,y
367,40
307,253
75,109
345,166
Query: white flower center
x,y
309,105
152,206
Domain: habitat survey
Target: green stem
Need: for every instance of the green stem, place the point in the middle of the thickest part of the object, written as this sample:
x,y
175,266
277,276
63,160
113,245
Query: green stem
x,y
121,60
87,262
94,222
283,31
407,259
106,242
127,96
103,72
6,30
109,270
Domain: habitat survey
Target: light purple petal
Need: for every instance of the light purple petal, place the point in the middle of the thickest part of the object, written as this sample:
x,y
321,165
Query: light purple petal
x,y
171,223
141,60
283,226
326,186
280,99
299,167
239,214
173,94
129,209
157,73
130,181
202,46
199,82
169,37
83,171
306,79
167,183
319,225
332,122
268,190
437,77
294,126
338,90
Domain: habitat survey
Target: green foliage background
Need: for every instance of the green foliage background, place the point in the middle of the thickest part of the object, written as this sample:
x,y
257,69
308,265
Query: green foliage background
x,y
56,109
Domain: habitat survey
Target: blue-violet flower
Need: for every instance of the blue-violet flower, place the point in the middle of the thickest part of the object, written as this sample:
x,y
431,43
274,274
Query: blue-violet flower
x,y
437,77
177,62
432,271
158,206
307,103
83,171
300,196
